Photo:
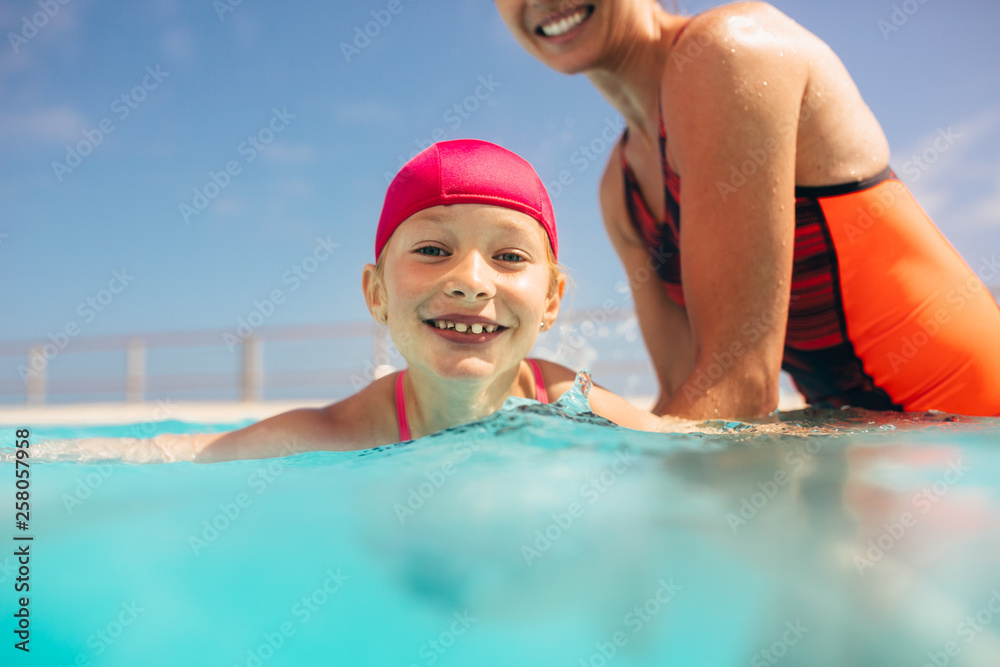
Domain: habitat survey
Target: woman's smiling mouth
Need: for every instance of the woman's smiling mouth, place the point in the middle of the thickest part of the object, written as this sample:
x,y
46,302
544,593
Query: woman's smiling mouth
x,y
562,22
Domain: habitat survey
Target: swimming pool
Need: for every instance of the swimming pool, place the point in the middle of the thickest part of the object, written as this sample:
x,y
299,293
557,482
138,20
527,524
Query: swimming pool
x,y
829,538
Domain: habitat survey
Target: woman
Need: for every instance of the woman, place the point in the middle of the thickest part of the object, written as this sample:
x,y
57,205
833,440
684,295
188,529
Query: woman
x,y
791,244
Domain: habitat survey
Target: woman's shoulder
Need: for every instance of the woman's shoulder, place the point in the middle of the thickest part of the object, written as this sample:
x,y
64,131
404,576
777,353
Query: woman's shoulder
x,y
738,19
736,34
745,59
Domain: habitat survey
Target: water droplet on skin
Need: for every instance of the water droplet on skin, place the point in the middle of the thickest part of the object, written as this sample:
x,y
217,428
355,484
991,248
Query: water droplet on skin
x,y
765,83
781,53
733,50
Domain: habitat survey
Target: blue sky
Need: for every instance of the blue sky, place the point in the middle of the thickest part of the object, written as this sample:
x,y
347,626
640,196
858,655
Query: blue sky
x,y
164,94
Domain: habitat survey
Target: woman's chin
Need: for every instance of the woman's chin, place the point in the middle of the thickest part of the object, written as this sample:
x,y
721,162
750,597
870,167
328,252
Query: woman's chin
x,y
566,62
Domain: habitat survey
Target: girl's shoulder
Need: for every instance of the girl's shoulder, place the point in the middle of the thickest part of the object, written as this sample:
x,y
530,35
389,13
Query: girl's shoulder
x,y
607,404
367,418
558,378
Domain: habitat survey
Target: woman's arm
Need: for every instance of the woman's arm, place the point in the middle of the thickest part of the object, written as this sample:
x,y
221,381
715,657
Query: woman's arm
x,y
732,120
663,323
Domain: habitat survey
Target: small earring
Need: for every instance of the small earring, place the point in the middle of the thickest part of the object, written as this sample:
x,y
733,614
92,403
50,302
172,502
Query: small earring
x,y
385,318
541,326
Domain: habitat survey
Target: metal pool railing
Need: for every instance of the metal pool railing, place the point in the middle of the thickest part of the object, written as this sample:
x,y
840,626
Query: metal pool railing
x,y
329,360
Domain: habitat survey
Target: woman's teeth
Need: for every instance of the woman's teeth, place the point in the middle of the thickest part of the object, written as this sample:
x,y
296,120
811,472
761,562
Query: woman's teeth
x,y
466,328
565,24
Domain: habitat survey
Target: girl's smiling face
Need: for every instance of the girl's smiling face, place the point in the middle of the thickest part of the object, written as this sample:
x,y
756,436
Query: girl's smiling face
x,y
465,289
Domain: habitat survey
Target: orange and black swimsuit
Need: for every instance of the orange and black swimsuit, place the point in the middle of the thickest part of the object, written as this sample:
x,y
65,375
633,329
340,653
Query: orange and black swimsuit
x,y
884,313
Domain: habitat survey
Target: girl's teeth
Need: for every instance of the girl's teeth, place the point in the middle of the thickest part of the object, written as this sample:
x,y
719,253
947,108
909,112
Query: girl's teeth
x,y
464,328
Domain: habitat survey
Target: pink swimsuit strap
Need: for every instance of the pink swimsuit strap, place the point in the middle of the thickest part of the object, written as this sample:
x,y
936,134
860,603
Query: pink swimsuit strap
x,y
541,395
404,424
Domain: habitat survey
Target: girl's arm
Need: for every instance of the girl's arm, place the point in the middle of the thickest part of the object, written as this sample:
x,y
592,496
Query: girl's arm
x,y
357,422
289,433
611,406
365,419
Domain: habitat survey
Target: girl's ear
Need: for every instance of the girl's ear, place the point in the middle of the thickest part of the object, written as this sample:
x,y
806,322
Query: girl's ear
x,y
551,312
375,297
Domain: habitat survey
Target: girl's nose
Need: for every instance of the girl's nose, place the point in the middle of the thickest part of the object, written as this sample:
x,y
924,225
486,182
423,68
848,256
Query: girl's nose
x,y
470,279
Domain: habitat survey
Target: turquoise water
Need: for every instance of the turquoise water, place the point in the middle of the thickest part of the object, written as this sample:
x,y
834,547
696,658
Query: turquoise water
x,y
539,536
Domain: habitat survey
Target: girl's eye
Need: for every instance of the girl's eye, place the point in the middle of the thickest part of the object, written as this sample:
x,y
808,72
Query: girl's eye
x,y
431,251
510,257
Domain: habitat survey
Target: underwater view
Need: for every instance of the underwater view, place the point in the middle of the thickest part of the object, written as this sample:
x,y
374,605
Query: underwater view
x,y
542,535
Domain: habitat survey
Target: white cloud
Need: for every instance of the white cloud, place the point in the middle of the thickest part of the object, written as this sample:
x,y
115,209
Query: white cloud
x,y
958,181
294,187
375,113
177,44
986,211
166,8
31,22
229,207
51,125
9,18
282,152
246,28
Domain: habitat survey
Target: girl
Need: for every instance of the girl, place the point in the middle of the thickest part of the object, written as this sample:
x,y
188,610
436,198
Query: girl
x,y
791,243
465,278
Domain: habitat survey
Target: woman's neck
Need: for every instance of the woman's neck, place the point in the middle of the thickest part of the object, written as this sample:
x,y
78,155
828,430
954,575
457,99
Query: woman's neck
x,y
630,76
434,403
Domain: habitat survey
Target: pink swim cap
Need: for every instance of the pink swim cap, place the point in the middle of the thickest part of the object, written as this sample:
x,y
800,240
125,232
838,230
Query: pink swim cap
x,y
465,171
